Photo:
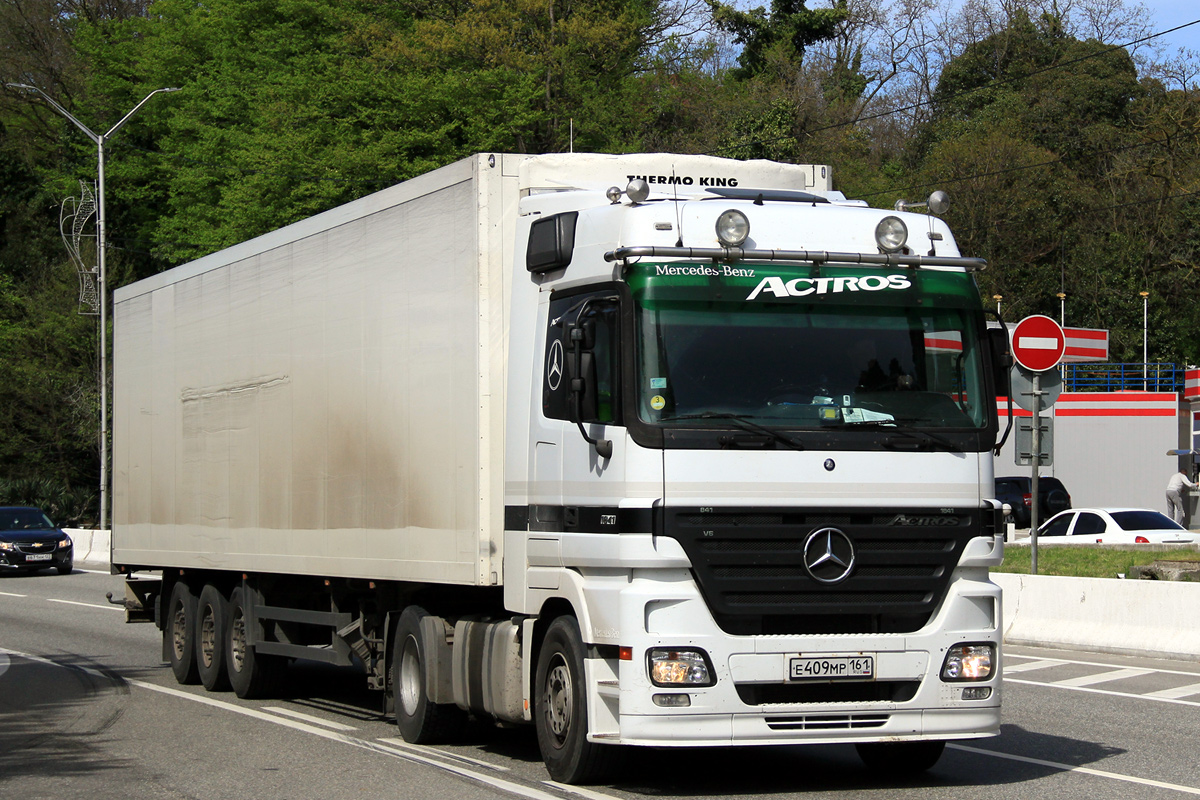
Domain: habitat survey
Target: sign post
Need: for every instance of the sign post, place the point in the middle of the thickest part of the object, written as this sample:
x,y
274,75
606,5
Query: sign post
x,y
1038,344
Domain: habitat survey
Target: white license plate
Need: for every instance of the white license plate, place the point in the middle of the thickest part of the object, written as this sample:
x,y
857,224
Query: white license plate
x,y
39,557
832,668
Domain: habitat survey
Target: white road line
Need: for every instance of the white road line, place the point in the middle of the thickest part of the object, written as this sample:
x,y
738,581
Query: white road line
x,y
1102,677
392,741
1111,666
13,594
1130,695
287,712
580,791
1115,776
87,605
374,747
1039,664
1177,692
94,672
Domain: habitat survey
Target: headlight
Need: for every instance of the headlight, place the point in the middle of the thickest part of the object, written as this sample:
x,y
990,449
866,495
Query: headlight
x,y
969,662
891,234
64,543
732,228
679,668
7,546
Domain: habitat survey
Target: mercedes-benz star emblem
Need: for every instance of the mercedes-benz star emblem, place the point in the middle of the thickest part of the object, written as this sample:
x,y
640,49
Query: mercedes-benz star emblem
x,y
828,555
554,365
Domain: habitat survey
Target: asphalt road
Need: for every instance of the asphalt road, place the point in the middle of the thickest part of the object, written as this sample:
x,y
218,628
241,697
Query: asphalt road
x,y
87,710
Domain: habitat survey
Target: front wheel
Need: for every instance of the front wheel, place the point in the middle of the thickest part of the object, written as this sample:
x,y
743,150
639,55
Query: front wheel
x,y
900,758
560,709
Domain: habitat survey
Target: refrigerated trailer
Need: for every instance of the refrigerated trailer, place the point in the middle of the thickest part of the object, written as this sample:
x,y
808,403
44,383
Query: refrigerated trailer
x,y
651,449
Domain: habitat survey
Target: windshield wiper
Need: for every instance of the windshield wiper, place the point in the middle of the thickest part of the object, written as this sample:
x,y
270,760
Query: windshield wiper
x,y
743,423
902,427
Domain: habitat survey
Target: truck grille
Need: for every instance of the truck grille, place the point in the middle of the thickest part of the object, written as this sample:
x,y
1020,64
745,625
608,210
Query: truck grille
x,y
750,566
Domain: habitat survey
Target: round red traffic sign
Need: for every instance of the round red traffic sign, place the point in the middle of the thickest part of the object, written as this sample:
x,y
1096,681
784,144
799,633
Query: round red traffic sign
x,y
1038,343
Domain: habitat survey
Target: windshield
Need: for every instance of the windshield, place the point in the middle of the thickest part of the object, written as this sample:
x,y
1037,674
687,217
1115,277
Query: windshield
x,y
808,347
24,519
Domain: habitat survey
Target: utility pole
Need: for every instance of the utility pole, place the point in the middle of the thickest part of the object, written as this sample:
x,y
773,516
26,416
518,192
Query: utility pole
x,y
102,285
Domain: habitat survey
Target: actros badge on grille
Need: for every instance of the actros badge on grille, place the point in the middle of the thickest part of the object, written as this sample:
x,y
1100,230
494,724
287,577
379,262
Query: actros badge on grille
x,y
828,555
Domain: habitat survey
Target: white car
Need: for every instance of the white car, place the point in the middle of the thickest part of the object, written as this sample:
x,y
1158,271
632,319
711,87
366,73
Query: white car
x,y
1114,526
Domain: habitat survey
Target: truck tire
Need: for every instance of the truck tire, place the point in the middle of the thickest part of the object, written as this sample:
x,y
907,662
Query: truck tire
x,y
251,675
560,709
900,758
179,634
419,720
210,639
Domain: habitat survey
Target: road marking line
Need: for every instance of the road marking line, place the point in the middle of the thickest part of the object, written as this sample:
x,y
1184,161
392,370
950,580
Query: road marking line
x,y
87,605
374,747
89,670
287,712
392,741
591,794
1103,677
1155,697
1108,666
1116,776
1177,692
12,594
1040,664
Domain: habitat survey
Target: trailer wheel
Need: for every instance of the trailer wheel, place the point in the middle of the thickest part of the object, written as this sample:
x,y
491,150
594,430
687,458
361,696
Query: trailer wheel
x,y
210,639
560,709
251,675
179,634
900,758
419,720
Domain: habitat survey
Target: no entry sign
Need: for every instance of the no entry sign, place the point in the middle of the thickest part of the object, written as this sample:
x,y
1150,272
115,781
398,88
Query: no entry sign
x,y
1038,343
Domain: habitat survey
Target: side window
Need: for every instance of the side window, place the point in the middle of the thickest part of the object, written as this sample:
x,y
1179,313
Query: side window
x,y
596,356
1089,525
1058,527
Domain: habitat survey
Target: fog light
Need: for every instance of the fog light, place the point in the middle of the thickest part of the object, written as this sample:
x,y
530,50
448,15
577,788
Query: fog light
x,y
977,693
679,667
672,700
968,662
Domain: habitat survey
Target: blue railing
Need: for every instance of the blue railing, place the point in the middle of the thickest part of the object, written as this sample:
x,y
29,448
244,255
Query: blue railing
x,y
1085,377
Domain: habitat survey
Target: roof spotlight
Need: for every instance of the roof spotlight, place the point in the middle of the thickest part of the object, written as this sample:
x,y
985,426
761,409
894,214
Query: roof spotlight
x,y
732,228
891,234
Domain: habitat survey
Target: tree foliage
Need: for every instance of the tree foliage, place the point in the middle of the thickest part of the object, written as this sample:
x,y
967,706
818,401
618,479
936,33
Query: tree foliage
x,y
1073,161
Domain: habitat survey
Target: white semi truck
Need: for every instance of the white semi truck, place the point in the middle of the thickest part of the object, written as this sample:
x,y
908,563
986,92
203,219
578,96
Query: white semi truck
x,y
656,450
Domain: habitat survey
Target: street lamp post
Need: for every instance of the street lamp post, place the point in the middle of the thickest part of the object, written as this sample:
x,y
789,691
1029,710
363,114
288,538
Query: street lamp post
x,y
1062,309
1145,329
997,298
101,284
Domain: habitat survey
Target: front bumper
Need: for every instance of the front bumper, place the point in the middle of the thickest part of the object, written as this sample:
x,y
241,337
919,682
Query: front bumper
x,y
752,700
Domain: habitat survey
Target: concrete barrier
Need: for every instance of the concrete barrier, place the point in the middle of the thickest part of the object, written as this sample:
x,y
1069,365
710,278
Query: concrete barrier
x,y
91,547
1143,618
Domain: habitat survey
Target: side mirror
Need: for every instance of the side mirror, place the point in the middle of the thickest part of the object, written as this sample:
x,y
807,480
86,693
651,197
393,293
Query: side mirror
x,y
551,243
582,374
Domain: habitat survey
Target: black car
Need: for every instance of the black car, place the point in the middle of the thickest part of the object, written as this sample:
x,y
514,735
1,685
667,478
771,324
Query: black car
x,y
1018,493
29,541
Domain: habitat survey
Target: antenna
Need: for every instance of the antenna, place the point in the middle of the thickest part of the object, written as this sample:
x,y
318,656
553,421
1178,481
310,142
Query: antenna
x,y
678,214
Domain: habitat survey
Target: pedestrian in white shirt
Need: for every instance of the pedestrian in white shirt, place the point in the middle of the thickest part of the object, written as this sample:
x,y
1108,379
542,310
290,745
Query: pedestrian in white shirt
x,y
1175,488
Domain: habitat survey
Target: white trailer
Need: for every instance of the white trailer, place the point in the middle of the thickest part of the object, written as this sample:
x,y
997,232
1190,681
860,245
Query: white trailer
x,y
644,450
